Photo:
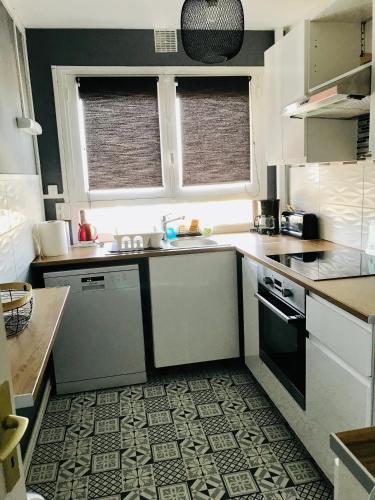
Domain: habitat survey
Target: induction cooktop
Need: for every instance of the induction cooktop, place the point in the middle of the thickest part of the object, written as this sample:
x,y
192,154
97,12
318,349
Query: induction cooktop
x,y
328,265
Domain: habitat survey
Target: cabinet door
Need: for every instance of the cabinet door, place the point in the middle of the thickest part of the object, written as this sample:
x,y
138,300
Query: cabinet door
x,y
294,140
272,92
194,307
294,64
293,88
250,314
347,487
337,399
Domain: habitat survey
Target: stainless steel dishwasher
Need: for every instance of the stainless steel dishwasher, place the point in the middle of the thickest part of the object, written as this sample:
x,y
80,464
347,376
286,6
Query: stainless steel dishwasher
x,y
100,342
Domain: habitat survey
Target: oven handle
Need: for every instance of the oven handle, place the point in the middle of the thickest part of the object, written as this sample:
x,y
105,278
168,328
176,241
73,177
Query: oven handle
x,y
280,314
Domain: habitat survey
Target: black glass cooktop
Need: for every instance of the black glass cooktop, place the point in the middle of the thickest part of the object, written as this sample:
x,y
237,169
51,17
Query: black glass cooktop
x,y
328,265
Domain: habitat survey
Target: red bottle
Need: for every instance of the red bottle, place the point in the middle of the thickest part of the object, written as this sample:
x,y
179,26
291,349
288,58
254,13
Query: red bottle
x,y
82,233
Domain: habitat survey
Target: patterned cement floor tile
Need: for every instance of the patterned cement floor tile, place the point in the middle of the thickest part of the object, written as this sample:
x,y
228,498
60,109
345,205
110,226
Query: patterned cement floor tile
x,y
240,483
190,433
302,471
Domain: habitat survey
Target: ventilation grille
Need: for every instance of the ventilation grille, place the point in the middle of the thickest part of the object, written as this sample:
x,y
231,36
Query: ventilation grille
x,y
165,41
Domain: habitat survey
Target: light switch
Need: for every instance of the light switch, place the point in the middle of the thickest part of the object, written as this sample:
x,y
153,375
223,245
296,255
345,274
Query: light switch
x,y
52,190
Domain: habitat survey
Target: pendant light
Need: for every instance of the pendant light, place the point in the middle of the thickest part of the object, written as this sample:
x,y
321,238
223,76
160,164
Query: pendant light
x,y
212,31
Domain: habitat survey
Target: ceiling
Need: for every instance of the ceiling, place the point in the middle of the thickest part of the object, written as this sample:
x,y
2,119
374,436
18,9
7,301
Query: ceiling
x,y
132,14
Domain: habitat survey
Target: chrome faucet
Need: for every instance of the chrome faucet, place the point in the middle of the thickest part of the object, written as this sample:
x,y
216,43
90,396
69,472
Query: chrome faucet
x,y
165,221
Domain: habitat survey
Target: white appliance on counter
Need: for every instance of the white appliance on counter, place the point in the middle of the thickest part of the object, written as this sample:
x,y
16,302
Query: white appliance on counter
x,y
100,342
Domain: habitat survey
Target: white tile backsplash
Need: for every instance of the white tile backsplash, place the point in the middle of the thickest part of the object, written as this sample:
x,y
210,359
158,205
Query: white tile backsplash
x,y
304,188
369,185
342,195
368,217
341,224
8,271
20,208
4,212
341,184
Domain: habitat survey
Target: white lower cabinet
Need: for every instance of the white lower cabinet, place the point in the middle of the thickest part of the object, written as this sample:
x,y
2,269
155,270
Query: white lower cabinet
x,y
337,399
194,307
250,314
347,487
339,370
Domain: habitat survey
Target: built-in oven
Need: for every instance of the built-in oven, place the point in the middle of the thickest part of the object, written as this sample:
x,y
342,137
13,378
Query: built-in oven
x,y
282,330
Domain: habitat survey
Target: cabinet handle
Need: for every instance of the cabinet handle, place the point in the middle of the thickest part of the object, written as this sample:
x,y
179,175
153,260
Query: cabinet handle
x,y
12,430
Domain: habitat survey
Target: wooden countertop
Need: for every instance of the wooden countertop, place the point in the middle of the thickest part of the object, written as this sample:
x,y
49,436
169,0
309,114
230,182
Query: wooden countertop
x,y
356,449
30,350
355,295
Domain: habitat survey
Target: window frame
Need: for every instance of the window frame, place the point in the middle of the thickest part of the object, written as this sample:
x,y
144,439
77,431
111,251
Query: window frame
x,y
72,154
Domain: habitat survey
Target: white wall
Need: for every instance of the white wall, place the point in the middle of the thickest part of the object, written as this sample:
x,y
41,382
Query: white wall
x,y
343,195
223,216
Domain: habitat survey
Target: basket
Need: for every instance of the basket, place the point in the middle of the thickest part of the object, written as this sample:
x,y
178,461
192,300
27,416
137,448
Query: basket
x,y
17,299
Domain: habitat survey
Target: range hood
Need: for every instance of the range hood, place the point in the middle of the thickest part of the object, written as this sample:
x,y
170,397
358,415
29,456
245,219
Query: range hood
x,y
344,97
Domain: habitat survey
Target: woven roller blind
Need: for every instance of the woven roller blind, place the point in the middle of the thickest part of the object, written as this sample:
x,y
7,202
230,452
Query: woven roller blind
x,y
121,120
215,129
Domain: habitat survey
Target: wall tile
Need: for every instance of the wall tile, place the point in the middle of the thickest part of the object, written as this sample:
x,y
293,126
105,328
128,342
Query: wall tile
x,y
21,196
4,212
368,217
341,184
304,188
24,199
23,249
369,185
341,224
7,265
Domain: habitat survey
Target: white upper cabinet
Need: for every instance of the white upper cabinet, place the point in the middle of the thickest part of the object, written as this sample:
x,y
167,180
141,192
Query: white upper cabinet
x,y
294,57
333,49
272,93
311,54
315,52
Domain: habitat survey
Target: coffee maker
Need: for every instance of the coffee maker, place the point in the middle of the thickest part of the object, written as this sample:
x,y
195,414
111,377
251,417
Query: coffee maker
x,y
268,222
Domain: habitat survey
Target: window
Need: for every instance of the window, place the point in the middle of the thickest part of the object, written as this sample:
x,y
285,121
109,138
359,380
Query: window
x,y
121,132
149,133
214,130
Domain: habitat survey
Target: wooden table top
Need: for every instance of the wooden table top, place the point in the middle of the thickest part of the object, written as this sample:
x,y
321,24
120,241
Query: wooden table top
x,y
356,449
30,350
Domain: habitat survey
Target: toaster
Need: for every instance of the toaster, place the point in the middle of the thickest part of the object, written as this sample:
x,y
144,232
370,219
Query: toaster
x,y
300,224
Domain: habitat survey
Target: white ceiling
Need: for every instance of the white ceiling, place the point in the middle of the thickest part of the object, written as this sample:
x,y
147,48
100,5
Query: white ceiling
x,y
259,14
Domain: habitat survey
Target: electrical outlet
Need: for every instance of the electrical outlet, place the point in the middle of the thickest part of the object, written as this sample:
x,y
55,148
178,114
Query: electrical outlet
x,y
62,211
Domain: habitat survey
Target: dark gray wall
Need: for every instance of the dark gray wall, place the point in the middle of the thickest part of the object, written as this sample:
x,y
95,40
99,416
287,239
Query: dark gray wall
x,y
88,47
16,148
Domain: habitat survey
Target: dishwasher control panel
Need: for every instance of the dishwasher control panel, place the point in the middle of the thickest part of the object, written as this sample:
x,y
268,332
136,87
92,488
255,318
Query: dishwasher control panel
x,y
91,280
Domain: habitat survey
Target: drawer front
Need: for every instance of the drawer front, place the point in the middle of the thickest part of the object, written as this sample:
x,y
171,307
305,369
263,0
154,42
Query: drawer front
x,y
347,337
336,397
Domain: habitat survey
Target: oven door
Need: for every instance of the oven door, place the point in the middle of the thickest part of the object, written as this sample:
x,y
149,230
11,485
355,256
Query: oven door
x,y
282,342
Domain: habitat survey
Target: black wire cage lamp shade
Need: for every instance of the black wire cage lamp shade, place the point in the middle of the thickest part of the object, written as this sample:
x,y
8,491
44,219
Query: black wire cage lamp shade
x,y
212,31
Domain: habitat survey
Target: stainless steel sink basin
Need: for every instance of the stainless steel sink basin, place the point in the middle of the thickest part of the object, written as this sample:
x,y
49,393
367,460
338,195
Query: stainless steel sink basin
x,y
195,242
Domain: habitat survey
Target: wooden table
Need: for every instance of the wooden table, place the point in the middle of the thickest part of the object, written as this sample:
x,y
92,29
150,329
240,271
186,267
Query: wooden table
x,y
30,350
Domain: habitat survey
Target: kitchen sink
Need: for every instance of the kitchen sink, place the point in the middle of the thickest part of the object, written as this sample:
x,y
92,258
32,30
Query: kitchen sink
x,y
194,242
